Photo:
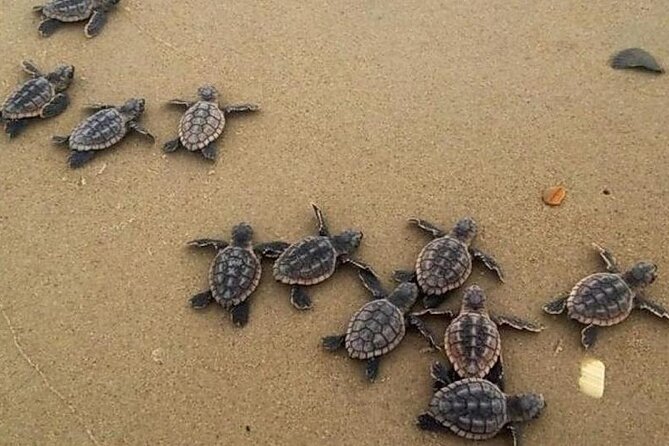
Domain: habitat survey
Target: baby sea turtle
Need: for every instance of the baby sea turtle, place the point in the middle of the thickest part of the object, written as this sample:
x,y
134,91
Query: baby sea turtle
x,y
107,126
604,299
378,326
203,122
477,409
43,95
446,262
635,58
235,271
472,341
314,259
56,12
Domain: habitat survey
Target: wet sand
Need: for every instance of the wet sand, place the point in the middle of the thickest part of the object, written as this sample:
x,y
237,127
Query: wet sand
x,y
377,112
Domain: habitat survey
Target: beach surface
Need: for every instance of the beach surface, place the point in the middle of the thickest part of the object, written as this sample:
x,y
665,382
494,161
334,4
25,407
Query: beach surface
x,y
378,112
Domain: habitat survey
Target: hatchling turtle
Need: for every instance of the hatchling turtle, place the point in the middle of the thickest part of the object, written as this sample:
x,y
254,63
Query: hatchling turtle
x,y
56,12
472,341
604,299
107,126
446,262
378,326
43,96
314,259
203,122
235,271
477,409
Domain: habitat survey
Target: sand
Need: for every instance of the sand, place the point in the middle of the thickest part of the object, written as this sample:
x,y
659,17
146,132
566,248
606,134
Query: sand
x,y
378,112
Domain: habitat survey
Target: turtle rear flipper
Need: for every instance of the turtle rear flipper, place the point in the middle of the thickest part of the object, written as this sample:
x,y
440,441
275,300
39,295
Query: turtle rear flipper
x,y
48,26
15,126
95,23
427,422
240,313
333,343
56,106
655,308
372,368
299,298
557,305
209,152
201,300
589,336
172,146
78,159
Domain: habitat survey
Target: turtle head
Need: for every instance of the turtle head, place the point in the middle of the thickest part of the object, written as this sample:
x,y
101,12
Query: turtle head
x,y
525,406
61,77
641,274
404,296
473,299
133,107
208,93
347,242
242,234
464,230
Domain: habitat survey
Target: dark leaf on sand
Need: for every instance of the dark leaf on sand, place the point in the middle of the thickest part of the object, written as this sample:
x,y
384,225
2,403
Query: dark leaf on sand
x,y
635,58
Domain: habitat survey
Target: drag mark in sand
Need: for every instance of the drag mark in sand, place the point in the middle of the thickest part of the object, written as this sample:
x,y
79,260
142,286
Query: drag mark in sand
x,y
45,380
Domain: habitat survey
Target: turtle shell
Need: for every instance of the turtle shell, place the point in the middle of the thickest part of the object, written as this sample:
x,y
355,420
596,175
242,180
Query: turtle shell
x,y
68,10
99,131
28,99
600,299
377,328
443,265
472,408
307,262
472,344
202,123
234,275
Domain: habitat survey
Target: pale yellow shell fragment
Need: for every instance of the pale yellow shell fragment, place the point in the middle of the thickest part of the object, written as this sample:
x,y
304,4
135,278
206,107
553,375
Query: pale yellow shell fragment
x,y
591,381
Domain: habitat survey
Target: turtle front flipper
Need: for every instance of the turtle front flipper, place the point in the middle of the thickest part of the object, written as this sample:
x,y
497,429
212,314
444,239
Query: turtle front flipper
x,y
589,336
369,279
180,103
95,23
427,422
172,146
240,313
48,26
322,226
133,125
557,305
372,368
208,242
299,298
30,68
515,430
56,106
426,226
333,343
201,300
239,108
60,140
270,250
658,310
98,106
210,152
418,324
489,262
608,258
15,126
517,323
433,300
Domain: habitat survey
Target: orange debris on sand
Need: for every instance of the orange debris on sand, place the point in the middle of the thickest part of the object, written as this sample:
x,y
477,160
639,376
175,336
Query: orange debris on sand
x,y
554,196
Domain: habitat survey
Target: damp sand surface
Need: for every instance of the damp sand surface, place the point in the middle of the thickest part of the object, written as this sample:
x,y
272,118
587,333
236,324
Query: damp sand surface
x,y
378,112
